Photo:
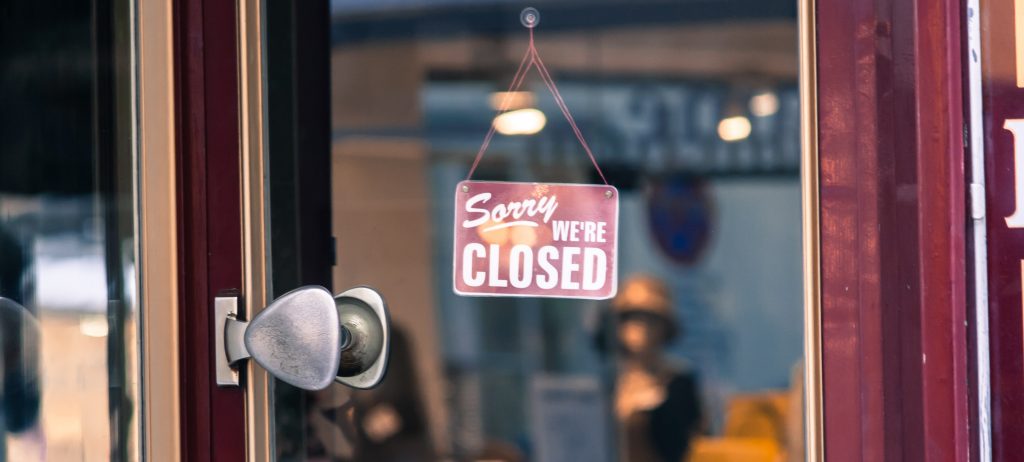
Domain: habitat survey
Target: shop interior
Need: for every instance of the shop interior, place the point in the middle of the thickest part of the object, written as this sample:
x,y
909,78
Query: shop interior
x,y
692,111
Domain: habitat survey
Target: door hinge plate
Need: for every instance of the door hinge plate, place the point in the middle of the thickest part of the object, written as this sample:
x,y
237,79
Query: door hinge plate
x,y
977,201
227,332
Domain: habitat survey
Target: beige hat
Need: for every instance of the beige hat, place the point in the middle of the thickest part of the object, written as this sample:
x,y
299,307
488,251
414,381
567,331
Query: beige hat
x,y
644,293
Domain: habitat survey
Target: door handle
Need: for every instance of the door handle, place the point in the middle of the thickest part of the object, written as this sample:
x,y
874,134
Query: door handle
x,y
307,338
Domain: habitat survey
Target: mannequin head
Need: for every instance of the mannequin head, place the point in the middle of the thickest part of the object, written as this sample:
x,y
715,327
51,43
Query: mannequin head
x,y
645,320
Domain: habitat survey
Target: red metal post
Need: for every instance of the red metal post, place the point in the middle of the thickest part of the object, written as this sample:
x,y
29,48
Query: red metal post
x,y
892,230
209,214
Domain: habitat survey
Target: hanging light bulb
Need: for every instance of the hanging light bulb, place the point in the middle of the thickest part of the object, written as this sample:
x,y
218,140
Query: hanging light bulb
x,y
734,128
520,122
512,99
764,104
734,125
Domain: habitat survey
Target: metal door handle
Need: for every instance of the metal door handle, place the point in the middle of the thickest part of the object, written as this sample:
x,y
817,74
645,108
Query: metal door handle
x,y
307,338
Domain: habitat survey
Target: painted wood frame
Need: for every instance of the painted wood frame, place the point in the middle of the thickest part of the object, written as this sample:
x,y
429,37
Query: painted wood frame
x,y
892,234
209,219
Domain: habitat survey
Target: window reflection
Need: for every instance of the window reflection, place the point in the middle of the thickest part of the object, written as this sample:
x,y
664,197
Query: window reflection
x,y
68,305
692,111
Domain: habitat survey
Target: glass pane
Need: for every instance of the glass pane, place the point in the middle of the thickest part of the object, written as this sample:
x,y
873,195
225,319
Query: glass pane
x,y
692,111
68,301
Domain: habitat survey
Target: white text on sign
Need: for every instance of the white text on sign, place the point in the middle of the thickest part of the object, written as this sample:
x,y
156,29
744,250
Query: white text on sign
x,y
518,239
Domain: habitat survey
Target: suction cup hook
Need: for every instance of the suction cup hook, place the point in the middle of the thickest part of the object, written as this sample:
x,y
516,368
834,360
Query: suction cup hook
x,y
529,17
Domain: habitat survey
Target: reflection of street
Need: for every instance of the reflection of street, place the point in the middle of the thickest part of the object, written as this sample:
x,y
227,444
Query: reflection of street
x,y
501,377
62,281
69,274
74,422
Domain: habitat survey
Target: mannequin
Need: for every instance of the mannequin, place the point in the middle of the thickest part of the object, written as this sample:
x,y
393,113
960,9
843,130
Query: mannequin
x,y
657,404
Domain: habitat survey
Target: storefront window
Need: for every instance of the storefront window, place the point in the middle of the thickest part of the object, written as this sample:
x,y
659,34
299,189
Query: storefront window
x,y
68,299
692,111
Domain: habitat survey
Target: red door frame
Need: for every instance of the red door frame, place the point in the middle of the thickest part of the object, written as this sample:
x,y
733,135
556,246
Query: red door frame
x,y
893,227
892,211
213,420
209,219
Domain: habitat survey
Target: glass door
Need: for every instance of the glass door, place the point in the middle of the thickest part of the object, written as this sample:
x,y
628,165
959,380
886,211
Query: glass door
x,y
70,324
374,112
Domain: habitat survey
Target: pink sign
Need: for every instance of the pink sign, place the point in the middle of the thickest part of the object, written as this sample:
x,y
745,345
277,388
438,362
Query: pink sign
x,y
536,240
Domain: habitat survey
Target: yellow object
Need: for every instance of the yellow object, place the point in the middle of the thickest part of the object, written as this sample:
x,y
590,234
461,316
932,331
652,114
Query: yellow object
x,y
734,450
757,415
755,431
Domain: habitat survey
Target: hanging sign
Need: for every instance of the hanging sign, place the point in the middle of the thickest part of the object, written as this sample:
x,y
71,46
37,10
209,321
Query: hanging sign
x,y
536,240
532,239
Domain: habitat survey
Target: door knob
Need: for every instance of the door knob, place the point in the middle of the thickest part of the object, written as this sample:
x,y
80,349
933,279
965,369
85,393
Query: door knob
x,y
307,338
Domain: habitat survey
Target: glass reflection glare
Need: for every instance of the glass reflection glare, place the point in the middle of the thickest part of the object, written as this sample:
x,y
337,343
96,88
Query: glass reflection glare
x,y
93,326
511,99
764,104
713,214
734,128
520,122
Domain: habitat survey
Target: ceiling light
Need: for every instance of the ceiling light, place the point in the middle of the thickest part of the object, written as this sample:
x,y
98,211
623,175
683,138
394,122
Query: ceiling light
x,y
764,104
734,128
524,122
513,99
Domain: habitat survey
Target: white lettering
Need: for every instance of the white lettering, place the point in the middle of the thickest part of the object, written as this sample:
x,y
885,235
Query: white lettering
x,y
1016,126
544,257
471,251
544,207
495,280
569,231
594,268
484,215
569,267
520,266
589,231
560,230
583,268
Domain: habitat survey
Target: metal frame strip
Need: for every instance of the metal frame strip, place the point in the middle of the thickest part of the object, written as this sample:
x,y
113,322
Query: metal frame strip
x,y
259,433
978,228
814,436
157,208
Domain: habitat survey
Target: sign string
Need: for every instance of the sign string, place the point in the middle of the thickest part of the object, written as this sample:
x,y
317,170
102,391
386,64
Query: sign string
x,y
532,59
